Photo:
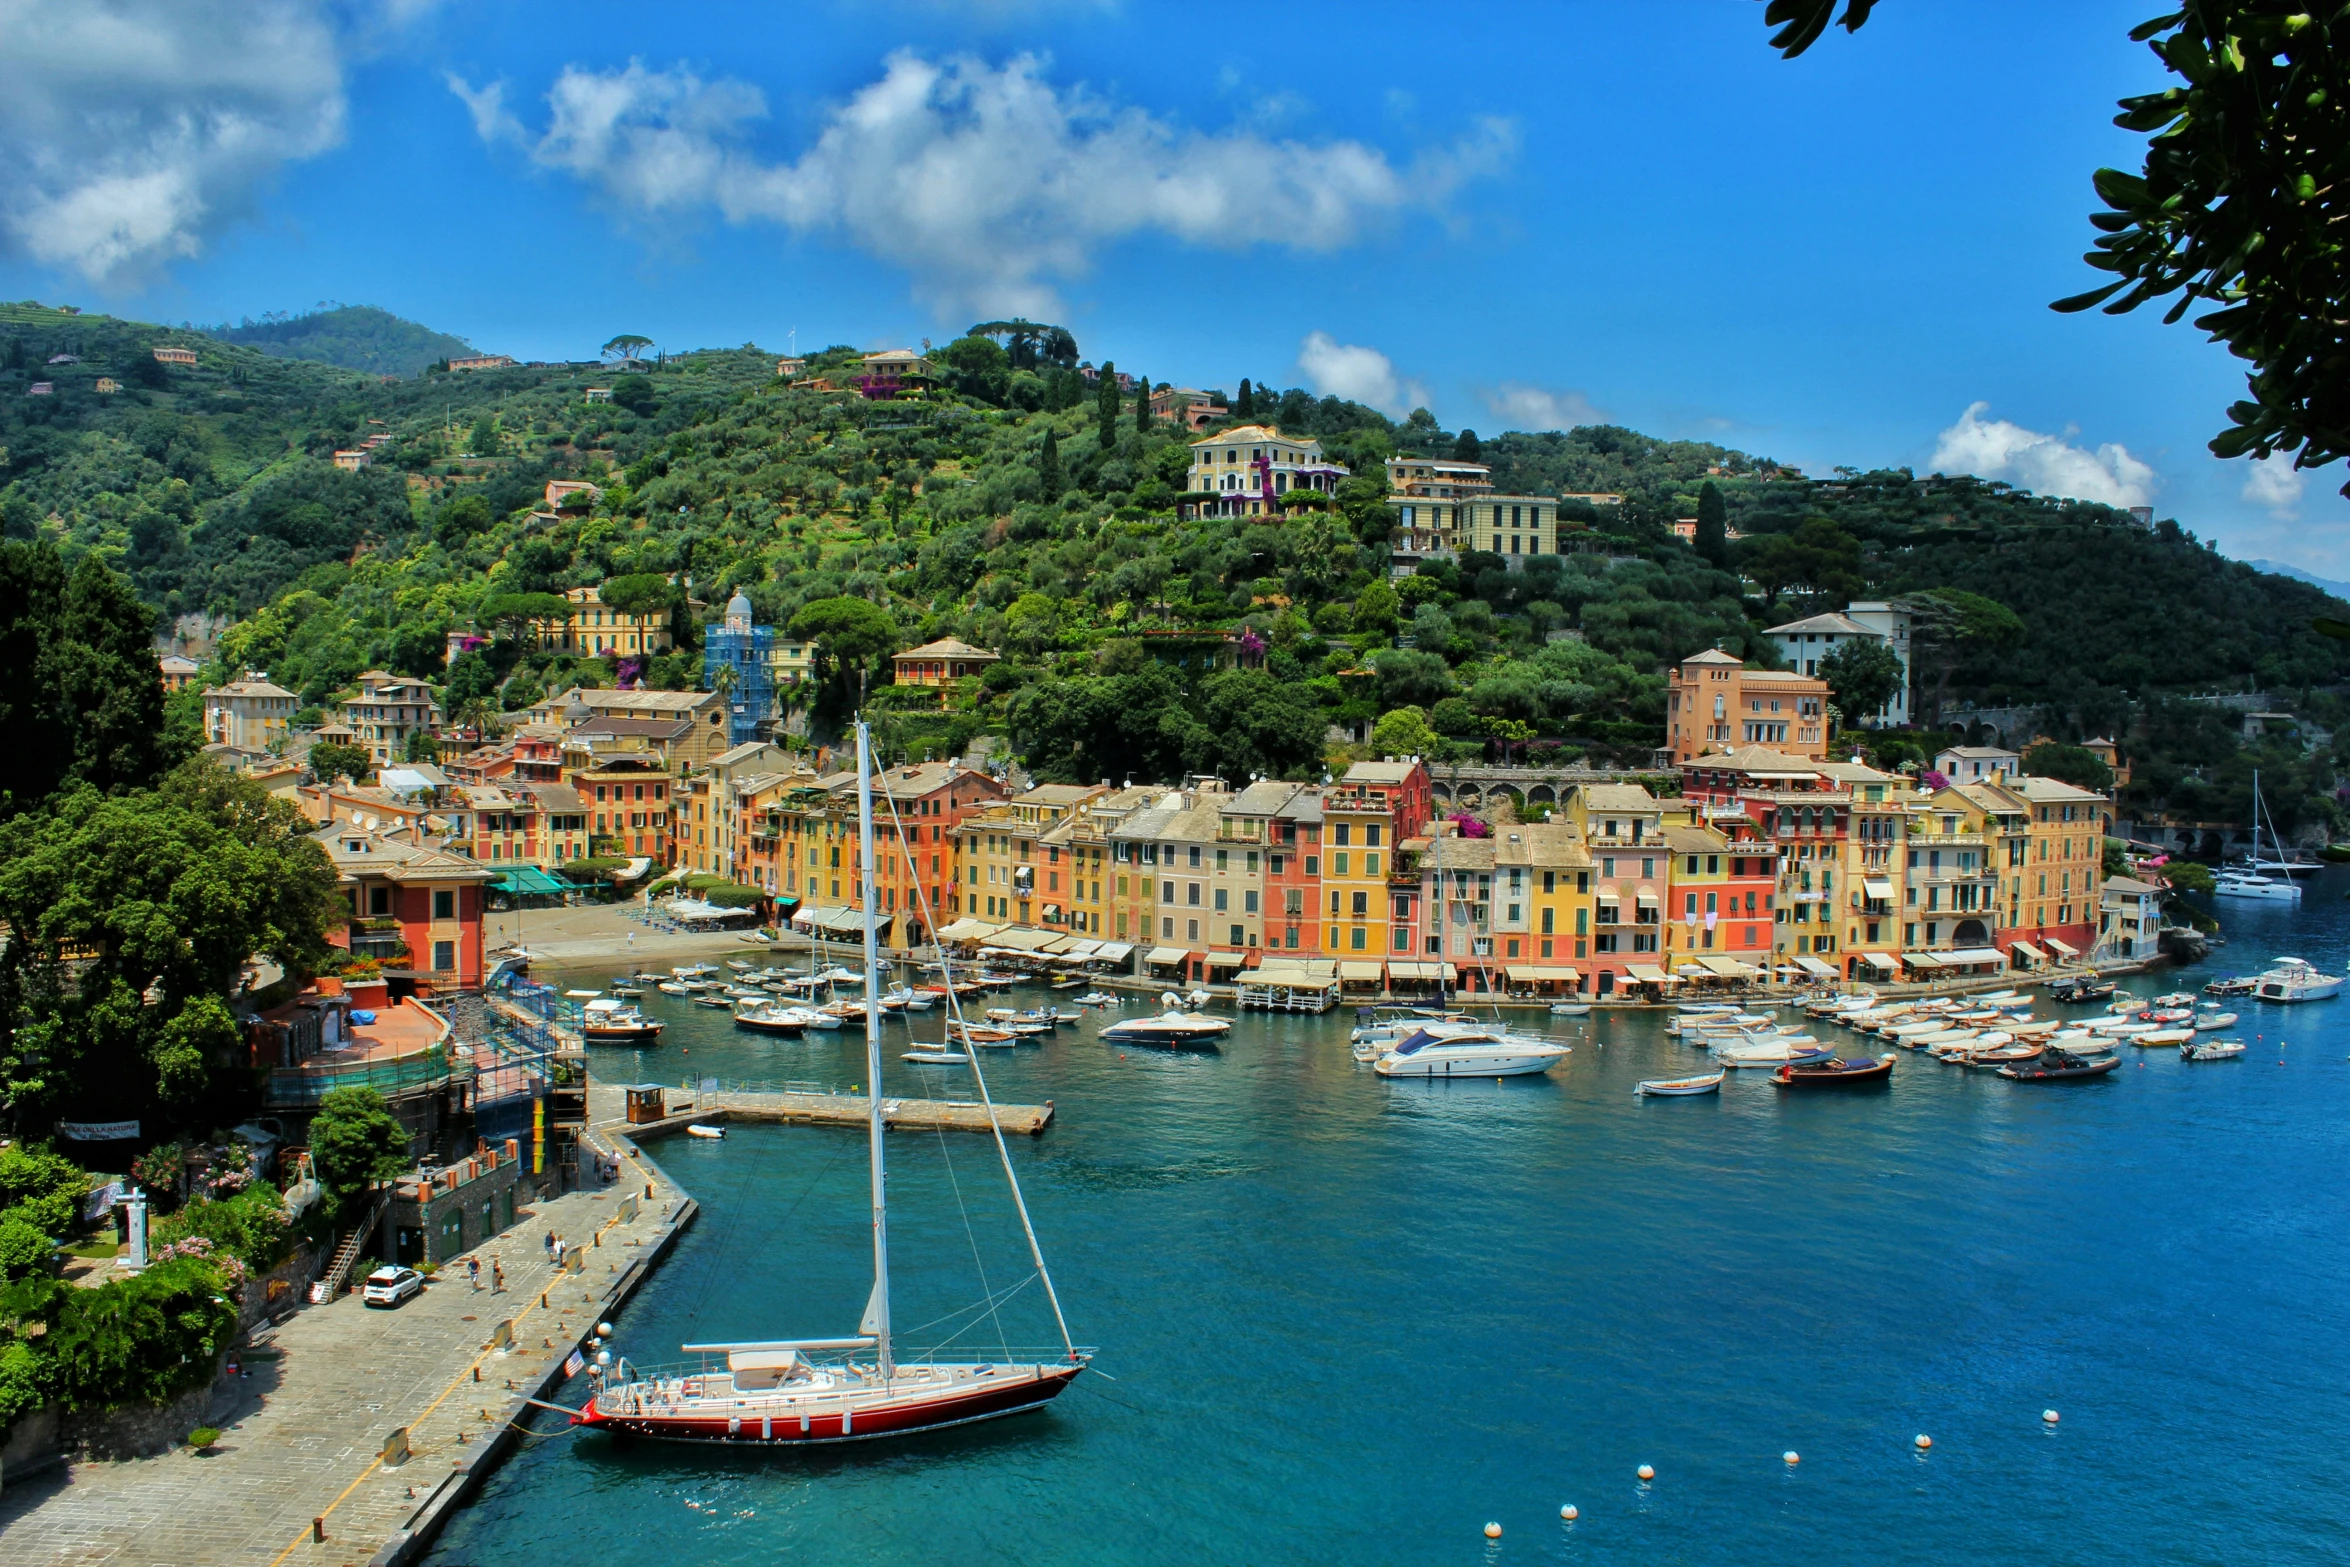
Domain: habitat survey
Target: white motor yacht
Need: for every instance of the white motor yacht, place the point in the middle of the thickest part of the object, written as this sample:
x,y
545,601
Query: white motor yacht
x,y
2294,979
1172,1029
1483,1053
2251,885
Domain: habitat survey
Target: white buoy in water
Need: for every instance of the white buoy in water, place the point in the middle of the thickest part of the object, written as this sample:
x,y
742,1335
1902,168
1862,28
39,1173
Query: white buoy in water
x,y
1924,1441
1791,1457
1493,1531
1647,1471
2048,1415
1569,1512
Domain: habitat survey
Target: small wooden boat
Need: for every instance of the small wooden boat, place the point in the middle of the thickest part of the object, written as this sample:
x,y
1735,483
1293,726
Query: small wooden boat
x,y
1835,1072
2055,1066
981,1036
1679,1087
2212,1050
936,1057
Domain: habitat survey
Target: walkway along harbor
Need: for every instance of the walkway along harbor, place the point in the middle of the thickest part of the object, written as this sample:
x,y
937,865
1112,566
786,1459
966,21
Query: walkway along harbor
x,y
371,1427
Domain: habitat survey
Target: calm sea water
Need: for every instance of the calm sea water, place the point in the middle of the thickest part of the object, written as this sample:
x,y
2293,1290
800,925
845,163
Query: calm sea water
x,y
1352,1320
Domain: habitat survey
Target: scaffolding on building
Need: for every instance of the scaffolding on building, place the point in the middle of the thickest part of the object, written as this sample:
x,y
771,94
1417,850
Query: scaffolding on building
x,y
746,652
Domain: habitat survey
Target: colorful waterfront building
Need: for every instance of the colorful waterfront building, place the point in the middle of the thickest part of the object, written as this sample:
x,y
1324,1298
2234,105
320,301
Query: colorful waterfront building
x,y
1541,895
1621,826
1365,815
1713,702
2053,913
1285,819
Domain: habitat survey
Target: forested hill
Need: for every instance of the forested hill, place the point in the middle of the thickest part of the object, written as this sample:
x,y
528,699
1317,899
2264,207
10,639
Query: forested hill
x,y
994,510
350,337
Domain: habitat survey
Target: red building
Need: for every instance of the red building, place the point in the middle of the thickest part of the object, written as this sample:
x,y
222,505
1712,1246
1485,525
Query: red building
x,y
417,910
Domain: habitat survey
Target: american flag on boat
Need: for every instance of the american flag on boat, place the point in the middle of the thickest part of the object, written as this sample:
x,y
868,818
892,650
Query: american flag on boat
x,y
575,1365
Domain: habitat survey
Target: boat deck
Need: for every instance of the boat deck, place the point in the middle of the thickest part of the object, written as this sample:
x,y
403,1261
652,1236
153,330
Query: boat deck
x,y
715,1106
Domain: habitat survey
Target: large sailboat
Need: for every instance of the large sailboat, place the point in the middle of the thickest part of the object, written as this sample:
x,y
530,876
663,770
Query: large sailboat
x,y
2249,878
794,1392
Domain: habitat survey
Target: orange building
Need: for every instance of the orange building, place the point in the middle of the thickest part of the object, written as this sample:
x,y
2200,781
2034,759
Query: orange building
x,y
1715,703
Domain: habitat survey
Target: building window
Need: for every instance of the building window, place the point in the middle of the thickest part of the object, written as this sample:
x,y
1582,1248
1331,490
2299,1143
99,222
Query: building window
x,y
444,956
444,907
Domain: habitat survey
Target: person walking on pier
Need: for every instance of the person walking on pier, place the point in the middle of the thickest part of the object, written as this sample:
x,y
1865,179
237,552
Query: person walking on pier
x,y
473,1271
497,1276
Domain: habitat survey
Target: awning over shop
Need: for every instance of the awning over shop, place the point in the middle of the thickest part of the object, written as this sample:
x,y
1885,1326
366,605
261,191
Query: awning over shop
x,y
1113,952
964,930
832,921
1226,960
530,881
1921,959
1160,956
1542,974
1359,973
1884,961
1731,968
1274,972
1649,974
1878,889
1426,973
2068,951
1022,938
1968,956
2030,951
1823,970
1077,947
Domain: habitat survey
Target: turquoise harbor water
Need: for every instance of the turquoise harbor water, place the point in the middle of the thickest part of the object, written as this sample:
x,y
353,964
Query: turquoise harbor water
x,y
1352,1320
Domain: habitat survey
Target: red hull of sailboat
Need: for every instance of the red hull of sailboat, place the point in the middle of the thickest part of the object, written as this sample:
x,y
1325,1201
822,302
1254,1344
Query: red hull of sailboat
x,y
793,1429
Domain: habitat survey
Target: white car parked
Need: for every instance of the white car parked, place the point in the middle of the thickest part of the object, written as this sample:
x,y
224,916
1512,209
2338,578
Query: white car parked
x,y
390,1286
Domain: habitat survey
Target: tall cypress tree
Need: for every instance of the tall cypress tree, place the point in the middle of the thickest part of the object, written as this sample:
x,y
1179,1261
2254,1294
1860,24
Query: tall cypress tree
x,y
1244,407
1142,403
1106,404
1048,467
1713,524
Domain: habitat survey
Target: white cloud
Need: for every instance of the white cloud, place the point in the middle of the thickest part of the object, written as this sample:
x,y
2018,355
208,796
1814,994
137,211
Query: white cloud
x,y
2275,483
131,132
986,183
2044,464
1535,408
1358,374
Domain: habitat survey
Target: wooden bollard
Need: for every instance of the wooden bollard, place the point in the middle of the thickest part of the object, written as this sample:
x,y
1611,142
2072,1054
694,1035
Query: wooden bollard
x,y
318,1528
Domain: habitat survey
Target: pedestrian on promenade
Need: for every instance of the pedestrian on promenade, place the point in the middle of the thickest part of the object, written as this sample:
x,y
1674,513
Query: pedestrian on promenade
x,y
473,1271
558,1251
497,1277
550,1244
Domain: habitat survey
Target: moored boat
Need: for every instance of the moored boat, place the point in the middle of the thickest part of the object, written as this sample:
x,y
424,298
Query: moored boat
x,y
617,1023
2211,1050
2054,1066
1491,1053
1172,1029
1680,1087
1835,1072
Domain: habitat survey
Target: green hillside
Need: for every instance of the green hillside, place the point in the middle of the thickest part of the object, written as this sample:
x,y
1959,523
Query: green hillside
x,y
995,511
350,337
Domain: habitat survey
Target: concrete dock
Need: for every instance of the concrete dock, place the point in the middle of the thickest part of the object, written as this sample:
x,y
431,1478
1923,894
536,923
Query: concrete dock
x,y
714,1106
302,1476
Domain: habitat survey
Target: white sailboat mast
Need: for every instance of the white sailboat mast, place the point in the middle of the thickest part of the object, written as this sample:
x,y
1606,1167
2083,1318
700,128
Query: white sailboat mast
x,y
877,1309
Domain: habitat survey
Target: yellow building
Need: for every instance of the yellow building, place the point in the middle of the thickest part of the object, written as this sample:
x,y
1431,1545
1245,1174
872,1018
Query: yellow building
x,y
594,627
1541,896
1622,830
1364,815
2052,912
1009,871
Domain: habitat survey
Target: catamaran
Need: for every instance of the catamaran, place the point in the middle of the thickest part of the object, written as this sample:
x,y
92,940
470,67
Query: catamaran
x,y
2248,878
799,1391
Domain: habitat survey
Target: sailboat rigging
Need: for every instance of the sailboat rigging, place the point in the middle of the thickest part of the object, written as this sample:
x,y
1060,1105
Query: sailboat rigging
x,y
774,1392
2247,880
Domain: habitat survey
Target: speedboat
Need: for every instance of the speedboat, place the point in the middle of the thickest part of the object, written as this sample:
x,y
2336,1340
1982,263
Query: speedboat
x,y
2225,985
2055,1066
671,987
617,1023
1679,1087
1834,1072
1173,1028
1099,998
2211,1050
2293,979
1489,1053
790,1022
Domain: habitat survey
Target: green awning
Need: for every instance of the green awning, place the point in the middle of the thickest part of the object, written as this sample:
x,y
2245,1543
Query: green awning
x,y
528,879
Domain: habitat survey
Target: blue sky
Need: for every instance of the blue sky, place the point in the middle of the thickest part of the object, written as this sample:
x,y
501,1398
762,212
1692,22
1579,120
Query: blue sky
x,y
1517,215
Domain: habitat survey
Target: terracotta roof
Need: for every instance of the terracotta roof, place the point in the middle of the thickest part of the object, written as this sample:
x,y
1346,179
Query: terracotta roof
x,y
947,647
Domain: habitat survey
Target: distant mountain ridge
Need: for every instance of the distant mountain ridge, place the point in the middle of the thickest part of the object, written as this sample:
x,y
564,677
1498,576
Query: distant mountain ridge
x,y
2338,589
352,337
